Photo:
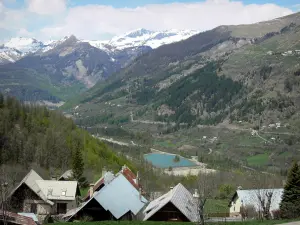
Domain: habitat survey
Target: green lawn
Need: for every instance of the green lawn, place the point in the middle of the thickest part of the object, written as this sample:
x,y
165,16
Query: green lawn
x,y
216,206
258,160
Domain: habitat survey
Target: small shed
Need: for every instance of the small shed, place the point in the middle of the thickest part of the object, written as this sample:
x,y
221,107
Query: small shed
x,y
176,205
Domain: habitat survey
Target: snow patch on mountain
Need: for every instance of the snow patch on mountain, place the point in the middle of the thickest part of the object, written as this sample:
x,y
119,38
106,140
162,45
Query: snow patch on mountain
x,y
143,37
19,47
8,55
153,39
24,45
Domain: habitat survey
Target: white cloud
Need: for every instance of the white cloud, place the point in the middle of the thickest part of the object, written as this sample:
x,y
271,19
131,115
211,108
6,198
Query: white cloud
x,y
99,21
46,7
92,21
297,7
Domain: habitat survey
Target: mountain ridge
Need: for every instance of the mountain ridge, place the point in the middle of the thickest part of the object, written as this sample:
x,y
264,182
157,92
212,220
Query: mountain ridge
x,y
151,79
118,43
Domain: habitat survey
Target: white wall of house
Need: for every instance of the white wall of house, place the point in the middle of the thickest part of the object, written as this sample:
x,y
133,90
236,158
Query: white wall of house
x,y
235,207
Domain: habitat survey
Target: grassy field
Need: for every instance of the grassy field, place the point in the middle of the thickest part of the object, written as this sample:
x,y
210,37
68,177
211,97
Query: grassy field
x,y
216,206
254,222
258,160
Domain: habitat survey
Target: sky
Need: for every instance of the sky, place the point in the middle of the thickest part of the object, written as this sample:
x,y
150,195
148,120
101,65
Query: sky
x,y
103,19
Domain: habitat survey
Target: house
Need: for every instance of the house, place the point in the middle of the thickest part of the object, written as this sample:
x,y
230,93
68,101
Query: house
x,y
10,218
66,175
250,198
115,198
130,176
176,205
44,197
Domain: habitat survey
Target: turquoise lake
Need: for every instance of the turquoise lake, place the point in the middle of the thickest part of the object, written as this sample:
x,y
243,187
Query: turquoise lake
x,y
166,161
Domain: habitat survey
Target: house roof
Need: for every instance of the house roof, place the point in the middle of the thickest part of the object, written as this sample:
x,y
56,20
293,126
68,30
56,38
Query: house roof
x,y
58,190
118,197
30,181
18,219
250,197
107,177
49,190
30,215
66,175
180,197
131,177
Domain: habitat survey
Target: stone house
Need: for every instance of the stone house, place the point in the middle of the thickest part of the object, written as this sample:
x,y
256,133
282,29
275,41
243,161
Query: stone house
x,y
44,197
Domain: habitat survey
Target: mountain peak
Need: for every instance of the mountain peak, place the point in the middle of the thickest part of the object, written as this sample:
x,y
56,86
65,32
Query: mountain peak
x,y
138,32
24,44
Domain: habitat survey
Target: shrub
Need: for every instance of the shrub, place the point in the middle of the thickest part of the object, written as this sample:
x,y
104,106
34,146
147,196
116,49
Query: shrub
x,y
276,214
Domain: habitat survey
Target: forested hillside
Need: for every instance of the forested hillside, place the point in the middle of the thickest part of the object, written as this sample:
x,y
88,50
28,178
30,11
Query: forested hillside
x,y
34,135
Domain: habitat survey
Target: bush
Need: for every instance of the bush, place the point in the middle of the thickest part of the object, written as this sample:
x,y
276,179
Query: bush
x,y
248,211
276,214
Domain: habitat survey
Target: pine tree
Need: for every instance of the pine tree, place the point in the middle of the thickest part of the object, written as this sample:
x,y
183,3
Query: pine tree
x,y
78,167
1,101
290,204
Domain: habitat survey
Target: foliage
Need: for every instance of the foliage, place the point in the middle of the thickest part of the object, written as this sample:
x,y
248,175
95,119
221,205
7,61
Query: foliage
x,y
249,212
290,204
176,158
78,165
225,191
32,134
214,92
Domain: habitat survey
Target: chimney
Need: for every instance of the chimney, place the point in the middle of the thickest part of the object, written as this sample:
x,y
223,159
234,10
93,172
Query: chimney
x,y
124,167
137,179
91,190
171,188
240,188
196,195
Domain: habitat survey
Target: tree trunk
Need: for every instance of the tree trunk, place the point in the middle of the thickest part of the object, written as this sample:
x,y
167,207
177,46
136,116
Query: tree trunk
x,y
201,211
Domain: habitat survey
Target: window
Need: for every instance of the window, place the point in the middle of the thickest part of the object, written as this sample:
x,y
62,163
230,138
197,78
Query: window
x,y
33,208
61,208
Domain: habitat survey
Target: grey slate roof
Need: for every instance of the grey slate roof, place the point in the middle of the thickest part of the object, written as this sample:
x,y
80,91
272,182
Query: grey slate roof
x,y
30,181
58,190
180,197
250,197
66,175
118,197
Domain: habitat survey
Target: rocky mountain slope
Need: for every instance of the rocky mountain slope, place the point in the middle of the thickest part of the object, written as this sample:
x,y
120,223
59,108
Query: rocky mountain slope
x,y
245,72
70,66
61,69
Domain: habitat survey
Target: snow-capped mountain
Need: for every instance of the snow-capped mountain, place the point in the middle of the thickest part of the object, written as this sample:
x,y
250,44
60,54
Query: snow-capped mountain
x,y
8,55
19,47
143,37
24,45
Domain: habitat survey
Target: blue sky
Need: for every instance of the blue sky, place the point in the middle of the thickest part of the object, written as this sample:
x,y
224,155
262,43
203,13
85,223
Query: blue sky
x,y
102,19
136,3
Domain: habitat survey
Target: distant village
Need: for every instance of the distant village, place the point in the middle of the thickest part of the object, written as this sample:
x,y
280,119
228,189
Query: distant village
x,y
117,197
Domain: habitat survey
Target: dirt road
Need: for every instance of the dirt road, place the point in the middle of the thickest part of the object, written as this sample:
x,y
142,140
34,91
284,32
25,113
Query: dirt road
x,y
292,223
